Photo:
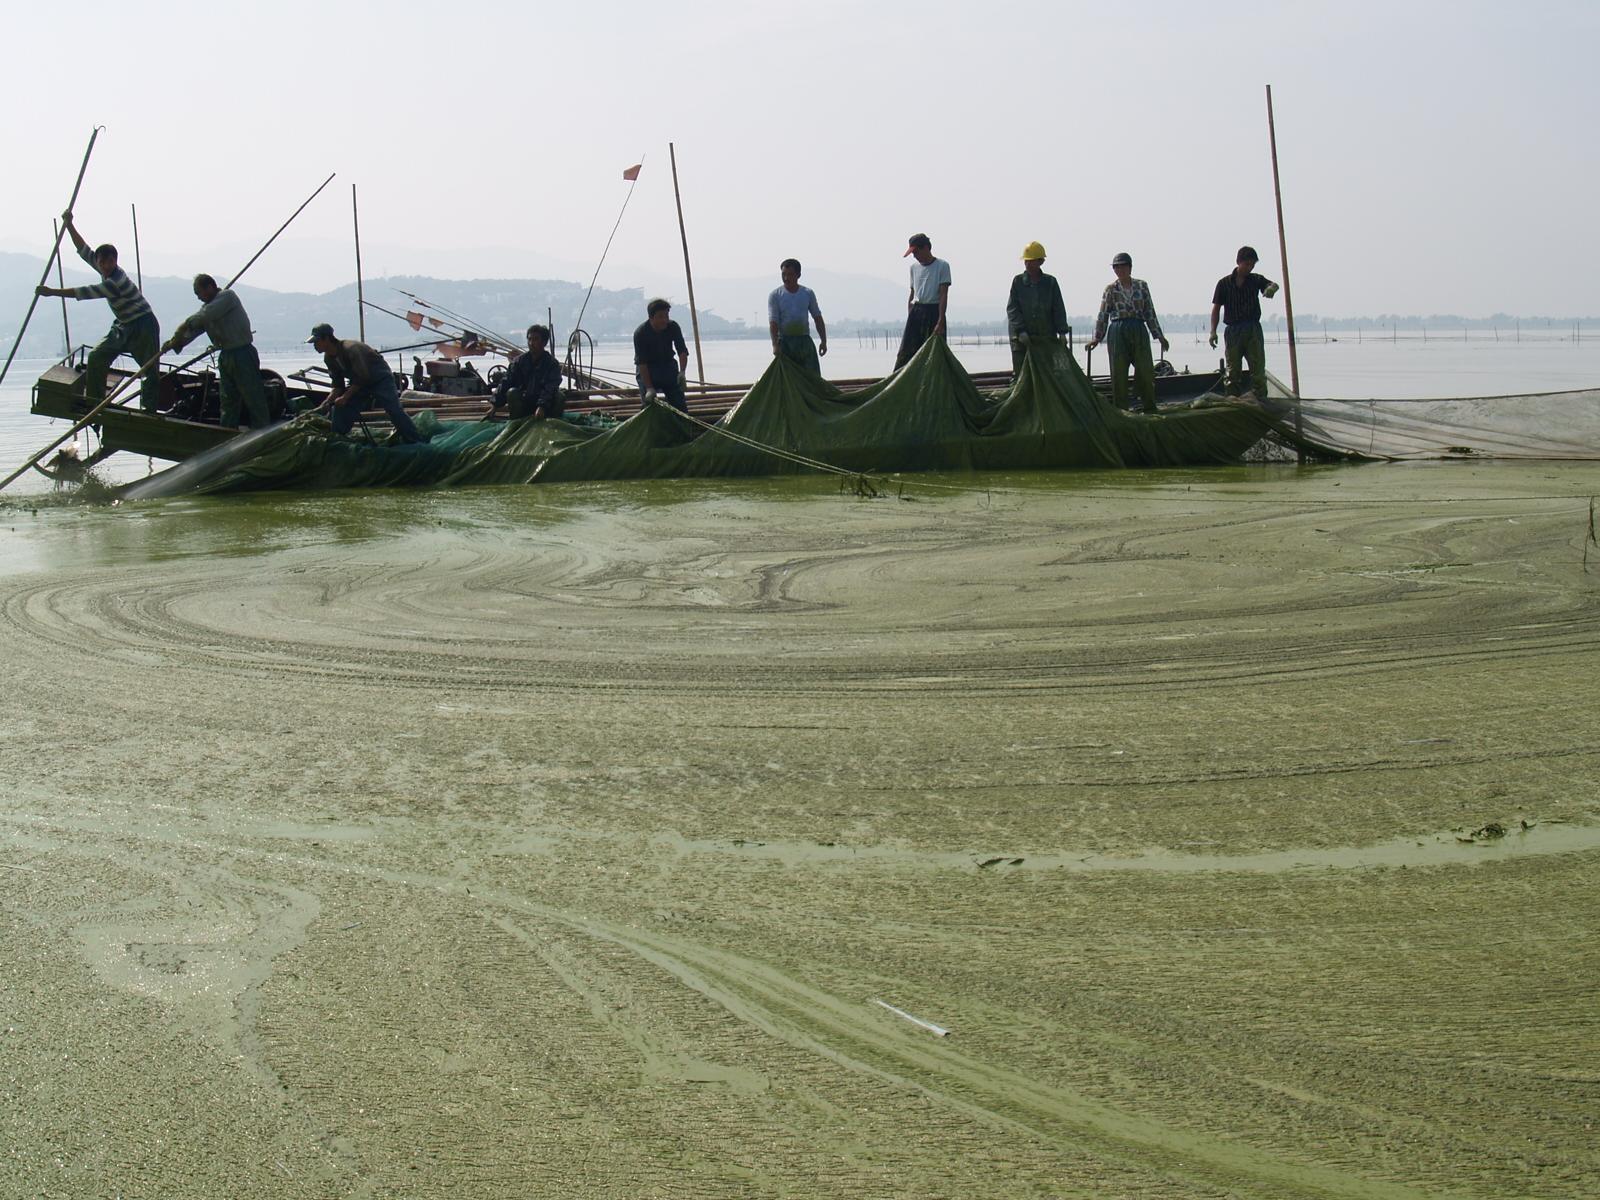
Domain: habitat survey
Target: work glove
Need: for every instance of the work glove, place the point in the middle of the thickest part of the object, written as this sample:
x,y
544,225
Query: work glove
x,y
1022,338
1213,339
650,395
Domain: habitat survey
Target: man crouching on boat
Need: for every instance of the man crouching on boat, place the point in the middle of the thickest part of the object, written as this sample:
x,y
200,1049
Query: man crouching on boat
x,y
134,332
371,383
532,385
653,345
223,319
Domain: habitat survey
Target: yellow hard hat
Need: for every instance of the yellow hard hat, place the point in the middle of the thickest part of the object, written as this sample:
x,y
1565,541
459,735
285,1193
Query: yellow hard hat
x,y
1032,250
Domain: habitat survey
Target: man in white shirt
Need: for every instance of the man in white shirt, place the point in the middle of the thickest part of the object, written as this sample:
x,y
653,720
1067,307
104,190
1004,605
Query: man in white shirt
x,y
789,308
930,293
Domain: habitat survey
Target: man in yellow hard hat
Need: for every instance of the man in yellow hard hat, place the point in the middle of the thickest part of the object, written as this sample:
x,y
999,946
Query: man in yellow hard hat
x,y
1035,313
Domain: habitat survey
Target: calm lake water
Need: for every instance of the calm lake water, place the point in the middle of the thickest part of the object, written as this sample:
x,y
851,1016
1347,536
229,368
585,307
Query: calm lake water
x,y
1408,368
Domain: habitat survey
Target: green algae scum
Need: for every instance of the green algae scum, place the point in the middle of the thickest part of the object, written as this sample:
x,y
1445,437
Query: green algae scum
x,y
1239,825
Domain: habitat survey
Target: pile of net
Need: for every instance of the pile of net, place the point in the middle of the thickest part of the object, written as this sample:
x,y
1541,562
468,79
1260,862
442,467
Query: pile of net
x,y
929,416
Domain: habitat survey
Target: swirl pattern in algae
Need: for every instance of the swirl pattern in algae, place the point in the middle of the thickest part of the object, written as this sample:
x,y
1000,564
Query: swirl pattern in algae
x,y
557,842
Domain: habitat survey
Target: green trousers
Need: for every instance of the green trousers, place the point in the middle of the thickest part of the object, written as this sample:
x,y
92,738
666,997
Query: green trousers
x,y
239,380
1246,341
1129,343
796,345
140,339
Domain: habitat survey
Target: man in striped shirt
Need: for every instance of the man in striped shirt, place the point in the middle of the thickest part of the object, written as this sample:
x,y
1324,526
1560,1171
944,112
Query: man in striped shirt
x,y
134,331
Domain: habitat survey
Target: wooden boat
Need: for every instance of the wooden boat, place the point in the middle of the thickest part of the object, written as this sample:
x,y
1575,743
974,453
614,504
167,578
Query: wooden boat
x,y
172,434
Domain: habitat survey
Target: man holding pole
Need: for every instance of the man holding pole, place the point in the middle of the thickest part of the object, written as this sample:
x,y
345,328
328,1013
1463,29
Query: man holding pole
x,y
370,383
930,294
1035,312
1237,300
788,310
223,319
1126,311
654,342
134,331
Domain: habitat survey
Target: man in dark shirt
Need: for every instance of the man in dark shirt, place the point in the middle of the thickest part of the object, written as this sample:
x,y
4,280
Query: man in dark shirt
x,y
1035,312
361,380
659,372
532,385
1237,300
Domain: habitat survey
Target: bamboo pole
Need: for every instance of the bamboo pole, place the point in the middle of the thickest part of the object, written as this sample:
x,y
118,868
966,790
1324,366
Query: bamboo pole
x,y
1283,258
138,263
361,308
694,314
61,285
44,276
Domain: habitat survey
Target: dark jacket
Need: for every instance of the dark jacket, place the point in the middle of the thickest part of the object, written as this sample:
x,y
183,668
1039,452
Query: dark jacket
x,y
538,375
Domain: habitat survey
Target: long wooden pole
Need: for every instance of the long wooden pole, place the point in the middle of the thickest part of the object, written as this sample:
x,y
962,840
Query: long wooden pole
x,y
138,263
694,313
88,418
61,285
1283,259
44,276
361,300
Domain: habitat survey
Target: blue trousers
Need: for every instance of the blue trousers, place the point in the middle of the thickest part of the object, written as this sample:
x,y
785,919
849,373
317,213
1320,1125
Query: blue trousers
x,y
380,393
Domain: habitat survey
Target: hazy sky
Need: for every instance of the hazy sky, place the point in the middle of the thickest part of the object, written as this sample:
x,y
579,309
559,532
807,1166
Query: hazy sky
x,y
1437,157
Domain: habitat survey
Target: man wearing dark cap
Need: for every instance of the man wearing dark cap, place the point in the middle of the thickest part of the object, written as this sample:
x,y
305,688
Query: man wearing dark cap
x,y
654,344
134,329
1237,300
222,318
360,380
1126,311
930,293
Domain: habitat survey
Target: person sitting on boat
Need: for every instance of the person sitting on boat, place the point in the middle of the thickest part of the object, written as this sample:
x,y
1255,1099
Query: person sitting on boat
x,y
134,331
531,386
930,293
1034,310
370,383
788,309
223,319
654,342
1127,309
1237,299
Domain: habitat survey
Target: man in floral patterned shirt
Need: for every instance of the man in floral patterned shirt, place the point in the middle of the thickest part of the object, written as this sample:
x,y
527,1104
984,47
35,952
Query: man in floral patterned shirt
x,y
1126,308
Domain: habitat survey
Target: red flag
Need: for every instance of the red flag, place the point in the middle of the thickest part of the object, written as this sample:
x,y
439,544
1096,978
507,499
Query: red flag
x,y
414,319
632,172
436,322
448,350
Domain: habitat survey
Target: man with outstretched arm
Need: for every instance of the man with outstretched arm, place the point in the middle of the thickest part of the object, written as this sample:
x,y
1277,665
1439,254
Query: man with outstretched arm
x,y
360,380
1236,300
788,309
222,318
654,343
1035,312
930,295
134,329
1127,311
531,386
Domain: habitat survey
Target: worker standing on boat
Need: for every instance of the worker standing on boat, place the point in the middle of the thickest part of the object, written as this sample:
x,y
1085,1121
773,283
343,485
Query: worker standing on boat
x,y
930,294
223,319
789,308
654,343
531,386
1237,299
1126,308
360,380
134,332
1035,312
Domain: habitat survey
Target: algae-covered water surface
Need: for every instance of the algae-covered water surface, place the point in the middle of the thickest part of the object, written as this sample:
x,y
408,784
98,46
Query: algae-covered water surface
x,y
1235,831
